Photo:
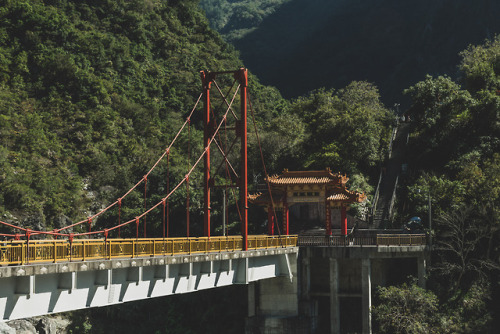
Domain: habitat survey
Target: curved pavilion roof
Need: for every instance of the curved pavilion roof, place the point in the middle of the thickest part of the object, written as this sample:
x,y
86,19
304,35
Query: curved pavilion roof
x,y
347,196
322,177
335,190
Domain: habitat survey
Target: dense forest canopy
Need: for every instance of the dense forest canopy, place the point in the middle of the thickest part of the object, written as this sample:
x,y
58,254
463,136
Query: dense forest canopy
x,y
454,158
91,93
236,18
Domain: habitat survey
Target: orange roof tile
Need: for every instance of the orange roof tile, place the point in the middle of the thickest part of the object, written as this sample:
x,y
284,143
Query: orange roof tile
x,y
259,198
308,177
347,196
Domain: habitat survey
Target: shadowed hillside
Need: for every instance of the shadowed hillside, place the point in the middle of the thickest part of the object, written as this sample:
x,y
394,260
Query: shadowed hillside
x,y
309,44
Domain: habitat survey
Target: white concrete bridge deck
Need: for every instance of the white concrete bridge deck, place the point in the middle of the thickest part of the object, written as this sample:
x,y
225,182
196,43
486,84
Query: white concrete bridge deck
x,y
44,288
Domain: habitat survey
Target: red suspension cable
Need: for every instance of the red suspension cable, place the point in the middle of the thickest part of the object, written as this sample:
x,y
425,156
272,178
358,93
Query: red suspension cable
x,y
145,202
180,183
119,215
265,170
168,200
138,183
137,227
119,201
163,220
187,180
187,206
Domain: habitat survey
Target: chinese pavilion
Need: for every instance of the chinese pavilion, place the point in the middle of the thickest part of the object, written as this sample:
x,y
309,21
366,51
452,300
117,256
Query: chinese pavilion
x,y
292,187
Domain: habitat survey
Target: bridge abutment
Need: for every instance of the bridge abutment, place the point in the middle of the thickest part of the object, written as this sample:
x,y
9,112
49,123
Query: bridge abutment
x,y
273,306
333,289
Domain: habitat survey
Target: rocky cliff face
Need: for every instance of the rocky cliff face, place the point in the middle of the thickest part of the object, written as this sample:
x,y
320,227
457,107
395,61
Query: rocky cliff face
x,y
40,325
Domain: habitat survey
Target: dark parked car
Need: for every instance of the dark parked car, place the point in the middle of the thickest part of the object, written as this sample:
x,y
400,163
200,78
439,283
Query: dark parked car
x,y
414,225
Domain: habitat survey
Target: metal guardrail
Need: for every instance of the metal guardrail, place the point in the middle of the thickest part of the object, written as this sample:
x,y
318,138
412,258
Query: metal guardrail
x,y
379,240
393,200
391,143
373,208
401,240
21,252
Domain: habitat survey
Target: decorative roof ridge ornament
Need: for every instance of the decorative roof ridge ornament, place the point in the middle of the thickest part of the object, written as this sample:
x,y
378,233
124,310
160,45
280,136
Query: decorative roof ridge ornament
x,y
253,197
308,177
347,196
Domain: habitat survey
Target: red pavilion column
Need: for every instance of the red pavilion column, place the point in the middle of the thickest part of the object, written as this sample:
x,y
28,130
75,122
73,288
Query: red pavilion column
x,y
343,219
285,219
270,220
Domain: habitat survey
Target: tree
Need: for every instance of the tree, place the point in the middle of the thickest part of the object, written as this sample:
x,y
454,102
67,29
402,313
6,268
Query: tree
x,y
407,309
348,130
481,66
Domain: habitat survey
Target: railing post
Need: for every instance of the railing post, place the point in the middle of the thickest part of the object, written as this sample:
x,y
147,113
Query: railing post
x,y
55,252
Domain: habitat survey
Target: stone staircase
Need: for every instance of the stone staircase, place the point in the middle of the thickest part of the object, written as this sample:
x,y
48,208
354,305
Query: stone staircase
x,y
388,183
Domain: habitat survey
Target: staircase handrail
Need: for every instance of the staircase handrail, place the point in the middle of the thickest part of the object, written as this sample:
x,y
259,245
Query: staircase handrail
x,y
373,209
377,193
393,199
391,142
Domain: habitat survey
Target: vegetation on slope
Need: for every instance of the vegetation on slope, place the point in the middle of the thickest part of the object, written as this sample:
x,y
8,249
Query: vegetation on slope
x,y
236,18
304,45
454,159
91,93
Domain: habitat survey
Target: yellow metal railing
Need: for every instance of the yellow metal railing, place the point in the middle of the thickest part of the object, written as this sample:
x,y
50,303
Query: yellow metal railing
x,y
401,239
21,252
376,240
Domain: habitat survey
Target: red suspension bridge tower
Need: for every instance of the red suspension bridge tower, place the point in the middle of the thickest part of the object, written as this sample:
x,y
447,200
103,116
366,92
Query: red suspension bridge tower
x,y
208,78
214,130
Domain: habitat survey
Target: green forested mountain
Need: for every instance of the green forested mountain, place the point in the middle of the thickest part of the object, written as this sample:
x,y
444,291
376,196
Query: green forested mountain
x,y
91,94
454,161
328,43
92,91
236,18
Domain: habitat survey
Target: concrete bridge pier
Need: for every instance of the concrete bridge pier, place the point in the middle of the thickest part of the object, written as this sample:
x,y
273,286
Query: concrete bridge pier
x,y
343,281
334,296
331,289
273,306
366,295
